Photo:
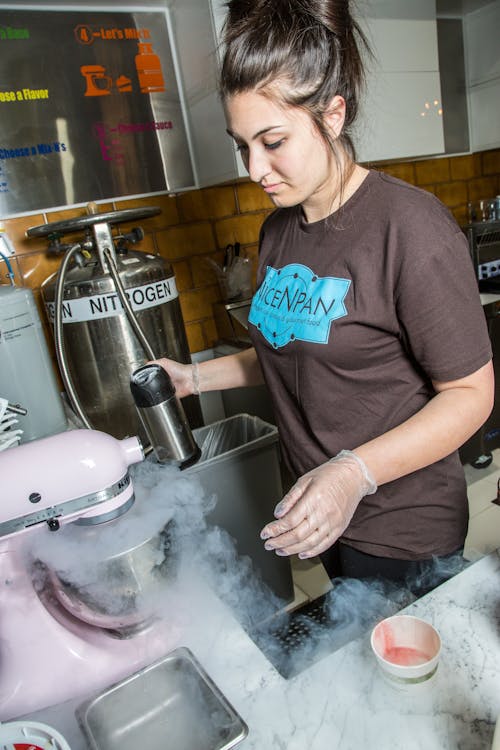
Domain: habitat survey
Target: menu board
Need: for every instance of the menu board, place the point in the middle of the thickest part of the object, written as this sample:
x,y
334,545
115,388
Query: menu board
x,y
90,108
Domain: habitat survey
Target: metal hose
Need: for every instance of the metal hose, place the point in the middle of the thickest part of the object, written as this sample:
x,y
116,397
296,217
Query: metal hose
x,y
127,306
131,317
59,339
58,328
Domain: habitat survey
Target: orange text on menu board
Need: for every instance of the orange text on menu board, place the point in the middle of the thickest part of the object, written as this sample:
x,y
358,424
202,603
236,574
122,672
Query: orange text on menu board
x,y
85,34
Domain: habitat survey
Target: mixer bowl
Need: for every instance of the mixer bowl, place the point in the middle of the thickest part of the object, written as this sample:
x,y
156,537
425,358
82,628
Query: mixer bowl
x,y
122,591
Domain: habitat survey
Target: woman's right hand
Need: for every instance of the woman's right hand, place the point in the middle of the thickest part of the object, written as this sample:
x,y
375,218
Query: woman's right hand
x,y
182,376
231,371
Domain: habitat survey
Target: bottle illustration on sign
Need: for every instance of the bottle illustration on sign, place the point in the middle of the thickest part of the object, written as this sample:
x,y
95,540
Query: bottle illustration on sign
x,y
148,68
98,84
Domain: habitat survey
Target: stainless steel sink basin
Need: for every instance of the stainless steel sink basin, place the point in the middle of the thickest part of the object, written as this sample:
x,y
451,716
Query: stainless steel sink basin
x,y
173,703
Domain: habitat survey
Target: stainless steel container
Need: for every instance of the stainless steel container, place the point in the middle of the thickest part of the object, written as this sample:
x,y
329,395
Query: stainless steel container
x,y
240,468
101,348
121,592
170,704
163,416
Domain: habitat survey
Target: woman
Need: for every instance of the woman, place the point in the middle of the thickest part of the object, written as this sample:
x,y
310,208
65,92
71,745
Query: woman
x,y
367,325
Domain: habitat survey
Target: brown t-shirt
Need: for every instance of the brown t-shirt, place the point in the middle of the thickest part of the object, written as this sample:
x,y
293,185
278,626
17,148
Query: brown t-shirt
x,y
353,317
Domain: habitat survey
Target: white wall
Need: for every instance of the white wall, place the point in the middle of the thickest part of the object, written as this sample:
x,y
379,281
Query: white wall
x,y
482,50
400,115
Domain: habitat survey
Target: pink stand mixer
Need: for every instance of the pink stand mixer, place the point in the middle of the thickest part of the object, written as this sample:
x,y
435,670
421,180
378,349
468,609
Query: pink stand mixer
x,y
47,654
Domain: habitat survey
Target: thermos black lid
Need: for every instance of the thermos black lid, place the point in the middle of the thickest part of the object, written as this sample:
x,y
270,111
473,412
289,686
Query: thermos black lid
x,y
151,385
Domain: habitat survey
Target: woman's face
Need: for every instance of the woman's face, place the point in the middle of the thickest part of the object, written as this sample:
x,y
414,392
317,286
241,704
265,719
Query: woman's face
x,y
284,152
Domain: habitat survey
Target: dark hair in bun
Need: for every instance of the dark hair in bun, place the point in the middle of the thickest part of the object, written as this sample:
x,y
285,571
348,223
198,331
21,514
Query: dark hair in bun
x,y
308,47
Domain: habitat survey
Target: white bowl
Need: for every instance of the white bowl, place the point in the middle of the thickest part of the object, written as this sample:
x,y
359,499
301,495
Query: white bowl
x,y
407,650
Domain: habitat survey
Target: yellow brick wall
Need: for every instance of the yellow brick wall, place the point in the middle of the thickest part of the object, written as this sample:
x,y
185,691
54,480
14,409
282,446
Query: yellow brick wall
x,y
456,180
196,226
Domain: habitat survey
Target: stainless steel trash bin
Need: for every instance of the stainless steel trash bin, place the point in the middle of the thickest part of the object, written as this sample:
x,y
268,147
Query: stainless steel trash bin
x,y
240,465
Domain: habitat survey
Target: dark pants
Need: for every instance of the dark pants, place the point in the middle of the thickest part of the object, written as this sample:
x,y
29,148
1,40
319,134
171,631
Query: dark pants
x,y
418,576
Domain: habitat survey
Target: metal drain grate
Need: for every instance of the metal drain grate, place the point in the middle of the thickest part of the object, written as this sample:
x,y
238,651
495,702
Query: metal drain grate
x,y
302,623
293,641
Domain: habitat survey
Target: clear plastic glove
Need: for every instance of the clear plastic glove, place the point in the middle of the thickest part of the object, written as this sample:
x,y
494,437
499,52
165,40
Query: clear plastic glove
x,y
319,507
184,377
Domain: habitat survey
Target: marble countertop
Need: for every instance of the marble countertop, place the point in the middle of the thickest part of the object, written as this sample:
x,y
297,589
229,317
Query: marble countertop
x,y
342,701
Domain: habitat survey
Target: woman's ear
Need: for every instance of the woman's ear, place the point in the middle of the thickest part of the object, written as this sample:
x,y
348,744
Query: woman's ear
x,y
335,115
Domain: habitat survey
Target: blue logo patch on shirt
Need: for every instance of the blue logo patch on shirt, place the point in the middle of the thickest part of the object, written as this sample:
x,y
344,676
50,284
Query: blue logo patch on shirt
x,y
293,303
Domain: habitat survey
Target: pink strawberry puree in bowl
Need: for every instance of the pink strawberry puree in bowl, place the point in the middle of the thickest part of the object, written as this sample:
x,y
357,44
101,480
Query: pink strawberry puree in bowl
x,y
407,650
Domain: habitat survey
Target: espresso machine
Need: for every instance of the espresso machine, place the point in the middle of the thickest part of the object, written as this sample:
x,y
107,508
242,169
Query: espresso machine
x,y
484,246
50,651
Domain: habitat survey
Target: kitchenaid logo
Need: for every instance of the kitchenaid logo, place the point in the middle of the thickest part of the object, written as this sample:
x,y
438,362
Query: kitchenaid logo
x,y
293,303
108,305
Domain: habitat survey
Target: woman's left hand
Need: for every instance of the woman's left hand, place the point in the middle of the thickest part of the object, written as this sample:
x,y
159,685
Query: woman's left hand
x,y
319,507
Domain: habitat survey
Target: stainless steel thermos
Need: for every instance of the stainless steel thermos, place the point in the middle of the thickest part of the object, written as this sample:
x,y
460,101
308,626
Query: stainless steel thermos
x,y
163,417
